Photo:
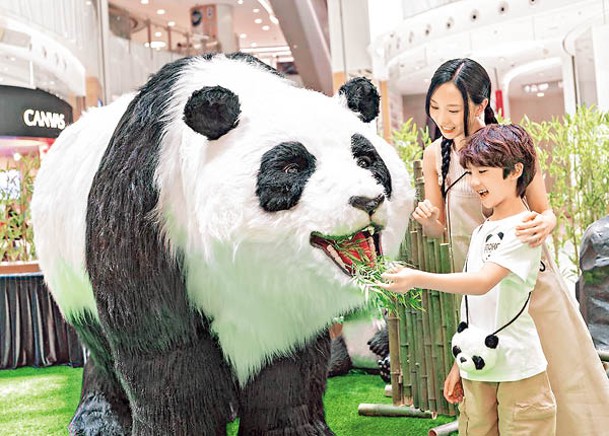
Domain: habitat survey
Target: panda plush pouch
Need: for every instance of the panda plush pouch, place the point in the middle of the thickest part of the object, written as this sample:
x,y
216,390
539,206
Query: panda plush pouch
x,y
475,350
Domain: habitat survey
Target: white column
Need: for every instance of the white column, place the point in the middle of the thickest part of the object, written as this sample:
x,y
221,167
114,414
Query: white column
x,y
600,36
226,33
569,84
349,35
104,31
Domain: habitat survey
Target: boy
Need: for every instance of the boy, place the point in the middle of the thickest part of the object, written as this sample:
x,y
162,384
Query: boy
x,y
513,397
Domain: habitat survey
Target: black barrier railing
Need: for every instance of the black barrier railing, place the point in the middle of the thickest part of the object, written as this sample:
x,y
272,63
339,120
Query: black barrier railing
x,y
32,330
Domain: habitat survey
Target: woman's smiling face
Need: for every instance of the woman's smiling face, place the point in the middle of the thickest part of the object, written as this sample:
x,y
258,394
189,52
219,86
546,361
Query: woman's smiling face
x,y
446,109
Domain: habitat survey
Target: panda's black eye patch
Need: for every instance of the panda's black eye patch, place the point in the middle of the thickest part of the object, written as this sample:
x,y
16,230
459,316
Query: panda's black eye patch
x,y
367,157
456,351
283,174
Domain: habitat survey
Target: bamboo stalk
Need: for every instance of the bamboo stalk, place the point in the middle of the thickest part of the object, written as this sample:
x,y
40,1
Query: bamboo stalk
x,y
394,360
444,429
404,358
412,362
425,355
429,340
365,409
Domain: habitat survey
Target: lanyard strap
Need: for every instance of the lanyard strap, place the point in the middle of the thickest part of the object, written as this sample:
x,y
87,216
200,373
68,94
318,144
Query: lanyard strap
x,y
506,325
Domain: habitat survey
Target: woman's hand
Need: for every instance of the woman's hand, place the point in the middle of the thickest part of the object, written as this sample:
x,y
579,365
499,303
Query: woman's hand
x,y
534,229
399,279
426,213
453,386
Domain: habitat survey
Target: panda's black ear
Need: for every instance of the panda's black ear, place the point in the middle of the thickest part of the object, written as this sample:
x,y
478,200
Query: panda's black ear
x,y
212,111
491,341
362,98
462,326
500,234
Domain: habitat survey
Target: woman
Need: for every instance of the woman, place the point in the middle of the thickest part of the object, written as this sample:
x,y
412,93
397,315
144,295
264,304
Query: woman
x,y
458,102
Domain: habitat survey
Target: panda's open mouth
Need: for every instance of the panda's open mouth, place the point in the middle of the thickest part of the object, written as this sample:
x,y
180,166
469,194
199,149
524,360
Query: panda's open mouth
x,y
348,251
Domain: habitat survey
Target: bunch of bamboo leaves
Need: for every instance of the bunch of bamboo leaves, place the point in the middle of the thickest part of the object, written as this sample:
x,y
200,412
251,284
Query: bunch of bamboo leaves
x,y
367,270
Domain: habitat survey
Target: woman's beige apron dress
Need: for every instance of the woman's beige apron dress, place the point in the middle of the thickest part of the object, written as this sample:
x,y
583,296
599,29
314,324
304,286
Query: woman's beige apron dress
x,y
576,374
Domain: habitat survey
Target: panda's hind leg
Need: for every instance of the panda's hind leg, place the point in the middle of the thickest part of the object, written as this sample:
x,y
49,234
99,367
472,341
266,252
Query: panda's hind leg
x,y
286,396
103,408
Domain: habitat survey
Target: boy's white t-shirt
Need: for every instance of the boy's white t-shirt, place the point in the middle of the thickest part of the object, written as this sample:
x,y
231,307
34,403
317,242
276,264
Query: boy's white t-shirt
x,y
519,351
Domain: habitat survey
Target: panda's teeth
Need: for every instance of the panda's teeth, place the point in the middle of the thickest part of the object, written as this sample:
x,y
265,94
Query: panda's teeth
x,y
332,251
372,246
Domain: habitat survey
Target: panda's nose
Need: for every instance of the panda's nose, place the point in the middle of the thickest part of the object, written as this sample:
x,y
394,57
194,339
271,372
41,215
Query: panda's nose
x,y
462,359
367,204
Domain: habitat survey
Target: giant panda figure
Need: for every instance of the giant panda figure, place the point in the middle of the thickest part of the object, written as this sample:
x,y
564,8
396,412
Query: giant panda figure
x,y
186,233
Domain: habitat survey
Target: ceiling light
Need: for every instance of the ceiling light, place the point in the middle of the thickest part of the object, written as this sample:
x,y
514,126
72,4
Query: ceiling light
x,y
160,11
540,94
157,34
171,23
157,44
240,2
144,2
243,36
253,44
258,20
266,27
256,10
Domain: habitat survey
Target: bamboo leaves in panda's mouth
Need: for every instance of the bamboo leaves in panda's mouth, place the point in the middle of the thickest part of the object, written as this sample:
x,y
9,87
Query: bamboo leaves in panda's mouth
x,y
360,256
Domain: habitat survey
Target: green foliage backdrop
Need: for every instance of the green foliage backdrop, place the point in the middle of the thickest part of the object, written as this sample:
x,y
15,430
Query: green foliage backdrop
x,y
16,234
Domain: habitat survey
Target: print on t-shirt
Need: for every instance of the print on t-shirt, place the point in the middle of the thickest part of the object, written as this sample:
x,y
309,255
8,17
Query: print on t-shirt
x,y
491,243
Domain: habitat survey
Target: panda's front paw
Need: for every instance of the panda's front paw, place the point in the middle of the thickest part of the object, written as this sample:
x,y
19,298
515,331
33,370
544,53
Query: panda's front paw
x,y
95,417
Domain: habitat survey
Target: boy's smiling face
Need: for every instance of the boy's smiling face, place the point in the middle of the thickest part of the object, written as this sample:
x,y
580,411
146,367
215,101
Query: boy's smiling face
x,y
494,189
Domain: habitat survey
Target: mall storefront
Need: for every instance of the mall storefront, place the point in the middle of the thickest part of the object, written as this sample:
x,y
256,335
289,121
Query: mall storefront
x,y
32,330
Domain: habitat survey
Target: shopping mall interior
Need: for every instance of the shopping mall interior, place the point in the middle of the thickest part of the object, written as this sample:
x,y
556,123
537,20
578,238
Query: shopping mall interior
x,y
546,60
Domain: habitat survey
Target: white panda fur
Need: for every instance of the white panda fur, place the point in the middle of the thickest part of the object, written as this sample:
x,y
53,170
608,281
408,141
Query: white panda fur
x,y
253,273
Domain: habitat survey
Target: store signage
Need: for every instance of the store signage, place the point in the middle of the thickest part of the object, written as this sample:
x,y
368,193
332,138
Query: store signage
x,y
28,112
53,120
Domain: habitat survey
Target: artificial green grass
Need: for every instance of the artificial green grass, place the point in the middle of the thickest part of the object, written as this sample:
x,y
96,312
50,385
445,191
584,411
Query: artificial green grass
x,y
42,402
38,401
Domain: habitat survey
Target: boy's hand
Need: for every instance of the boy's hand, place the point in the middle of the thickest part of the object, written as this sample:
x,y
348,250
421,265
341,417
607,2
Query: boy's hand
x,y
453,386
533,229
400,280
426,213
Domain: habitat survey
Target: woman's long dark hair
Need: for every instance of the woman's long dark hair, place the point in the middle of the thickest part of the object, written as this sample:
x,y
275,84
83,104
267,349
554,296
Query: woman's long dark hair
x,y
472,80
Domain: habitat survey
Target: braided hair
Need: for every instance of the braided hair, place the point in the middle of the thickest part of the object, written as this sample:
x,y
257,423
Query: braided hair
x,y
472,80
